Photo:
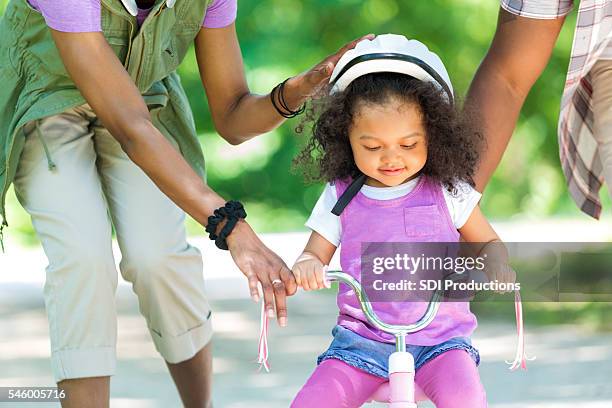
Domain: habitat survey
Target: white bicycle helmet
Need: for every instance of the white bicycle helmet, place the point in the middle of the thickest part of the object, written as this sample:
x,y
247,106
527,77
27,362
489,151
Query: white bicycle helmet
x,y
391,53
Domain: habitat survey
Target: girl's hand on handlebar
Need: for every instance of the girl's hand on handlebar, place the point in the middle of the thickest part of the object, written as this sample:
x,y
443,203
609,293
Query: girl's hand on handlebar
x,y
501,272
309,272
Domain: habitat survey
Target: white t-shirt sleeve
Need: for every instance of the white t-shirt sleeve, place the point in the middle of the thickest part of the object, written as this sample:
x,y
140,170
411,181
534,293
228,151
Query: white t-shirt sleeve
x,y
461,204
321,219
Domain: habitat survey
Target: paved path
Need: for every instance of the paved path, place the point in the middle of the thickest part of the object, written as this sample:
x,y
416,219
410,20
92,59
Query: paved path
x,y
573,367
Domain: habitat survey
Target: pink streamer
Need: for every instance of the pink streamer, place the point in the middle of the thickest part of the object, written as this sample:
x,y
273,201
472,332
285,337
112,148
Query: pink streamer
x,y
520,359
262,355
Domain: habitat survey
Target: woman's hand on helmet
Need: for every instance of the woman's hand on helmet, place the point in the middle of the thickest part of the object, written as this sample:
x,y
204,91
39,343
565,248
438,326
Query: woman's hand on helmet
x,y
308,84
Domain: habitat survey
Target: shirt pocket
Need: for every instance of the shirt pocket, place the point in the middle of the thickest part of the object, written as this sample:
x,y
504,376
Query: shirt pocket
x,y
422,222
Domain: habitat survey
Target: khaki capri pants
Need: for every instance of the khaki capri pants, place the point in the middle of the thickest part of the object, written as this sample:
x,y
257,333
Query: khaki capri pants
x,y
69,185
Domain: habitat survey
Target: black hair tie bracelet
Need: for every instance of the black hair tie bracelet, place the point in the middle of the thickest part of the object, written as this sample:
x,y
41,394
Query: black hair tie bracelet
x,y
232,211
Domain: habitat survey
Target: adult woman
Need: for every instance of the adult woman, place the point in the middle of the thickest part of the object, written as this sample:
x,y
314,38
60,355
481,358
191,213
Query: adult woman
x,y
93,120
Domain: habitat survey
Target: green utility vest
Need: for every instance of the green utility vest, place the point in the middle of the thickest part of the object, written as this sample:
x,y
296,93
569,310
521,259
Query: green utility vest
x,y
35,83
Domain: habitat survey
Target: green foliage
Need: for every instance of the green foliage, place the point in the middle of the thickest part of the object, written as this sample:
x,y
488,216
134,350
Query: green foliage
x,y
280,38
589,315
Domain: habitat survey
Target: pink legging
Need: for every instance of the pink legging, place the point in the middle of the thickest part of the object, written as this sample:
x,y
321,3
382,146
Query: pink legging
x,y
450,380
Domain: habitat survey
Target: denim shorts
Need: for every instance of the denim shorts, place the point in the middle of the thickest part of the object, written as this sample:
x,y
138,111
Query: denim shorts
x,y
372,356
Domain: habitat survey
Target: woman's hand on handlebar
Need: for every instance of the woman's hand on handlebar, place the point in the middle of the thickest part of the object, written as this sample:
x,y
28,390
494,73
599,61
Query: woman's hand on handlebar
x,y
261,265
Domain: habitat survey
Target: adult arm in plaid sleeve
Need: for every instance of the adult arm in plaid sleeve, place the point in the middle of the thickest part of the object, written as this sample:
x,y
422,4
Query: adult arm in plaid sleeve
x,y
517,56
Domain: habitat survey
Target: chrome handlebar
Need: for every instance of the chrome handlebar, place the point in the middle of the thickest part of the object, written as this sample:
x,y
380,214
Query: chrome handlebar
x,y
366,306
399,331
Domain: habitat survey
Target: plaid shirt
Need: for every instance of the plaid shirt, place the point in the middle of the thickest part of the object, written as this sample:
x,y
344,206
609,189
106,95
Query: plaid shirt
x,y
577,145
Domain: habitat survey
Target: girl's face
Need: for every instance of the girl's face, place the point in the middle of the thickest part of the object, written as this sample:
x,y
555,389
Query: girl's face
x,y
388,142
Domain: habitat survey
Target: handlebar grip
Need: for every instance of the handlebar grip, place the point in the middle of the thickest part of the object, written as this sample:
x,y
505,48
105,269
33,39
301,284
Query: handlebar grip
x,y
479,276
326,279
475,275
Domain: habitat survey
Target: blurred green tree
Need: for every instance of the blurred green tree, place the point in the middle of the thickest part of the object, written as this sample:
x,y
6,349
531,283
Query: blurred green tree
x,y
280,38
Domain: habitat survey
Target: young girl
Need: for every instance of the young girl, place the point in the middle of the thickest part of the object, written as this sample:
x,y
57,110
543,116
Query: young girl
x,y
399,160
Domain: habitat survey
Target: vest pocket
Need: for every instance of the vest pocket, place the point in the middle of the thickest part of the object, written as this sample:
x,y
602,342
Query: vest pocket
x,y
423,221
169,55
156,96
175,49
119,46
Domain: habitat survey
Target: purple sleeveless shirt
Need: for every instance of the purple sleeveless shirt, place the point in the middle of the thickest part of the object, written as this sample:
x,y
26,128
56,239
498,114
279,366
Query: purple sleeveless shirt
x,y
419,216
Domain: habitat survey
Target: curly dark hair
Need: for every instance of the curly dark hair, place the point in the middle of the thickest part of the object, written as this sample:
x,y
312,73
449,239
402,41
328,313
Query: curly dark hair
x,y
453,143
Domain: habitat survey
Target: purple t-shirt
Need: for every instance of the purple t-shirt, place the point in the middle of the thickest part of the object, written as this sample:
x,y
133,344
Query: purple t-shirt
x,y
78,16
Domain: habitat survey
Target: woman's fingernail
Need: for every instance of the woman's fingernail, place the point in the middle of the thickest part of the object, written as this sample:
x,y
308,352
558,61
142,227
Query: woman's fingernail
x,y
271,313
255,298
282,321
